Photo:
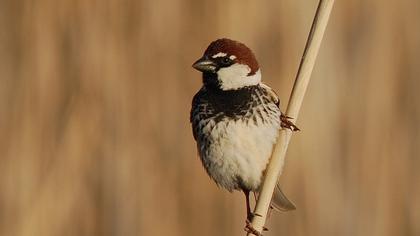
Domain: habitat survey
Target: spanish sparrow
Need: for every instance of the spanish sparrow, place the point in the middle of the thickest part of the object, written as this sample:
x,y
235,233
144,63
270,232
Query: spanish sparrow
x,y
236,119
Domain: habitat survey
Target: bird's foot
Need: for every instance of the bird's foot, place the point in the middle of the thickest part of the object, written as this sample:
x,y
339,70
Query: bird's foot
x,y
249,229
286,123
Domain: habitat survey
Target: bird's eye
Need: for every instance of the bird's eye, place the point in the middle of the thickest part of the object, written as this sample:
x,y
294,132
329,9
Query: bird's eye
x,y
226,61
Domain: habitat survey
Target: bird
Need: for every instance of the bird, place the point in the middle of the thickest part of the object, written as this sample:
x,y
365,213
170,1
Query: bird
x,y
235,121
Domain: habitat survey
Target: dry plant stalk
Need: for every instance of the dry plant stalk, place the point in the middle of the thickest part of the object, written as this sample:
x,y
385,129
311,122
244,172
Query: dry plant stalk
x,y
299,88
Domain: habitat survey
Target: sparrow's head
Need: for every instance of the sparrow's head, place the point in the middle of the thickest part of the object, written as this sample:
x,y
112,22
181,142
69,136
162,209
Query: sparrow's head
x,y
229,65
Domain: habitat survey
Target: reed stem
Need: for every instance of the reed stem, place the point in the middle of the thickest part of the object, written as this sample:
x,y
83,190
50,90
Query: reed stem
x,y
296,98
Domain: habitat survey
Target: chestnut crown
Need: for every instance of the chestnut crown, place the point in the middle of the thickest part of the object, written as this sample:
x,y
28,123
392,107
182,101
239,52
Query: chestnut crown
x,y
233,49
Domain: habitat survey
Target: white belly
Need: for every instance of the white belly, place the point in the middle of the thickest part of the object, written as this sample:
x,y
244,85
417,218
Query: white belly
x,y
238,153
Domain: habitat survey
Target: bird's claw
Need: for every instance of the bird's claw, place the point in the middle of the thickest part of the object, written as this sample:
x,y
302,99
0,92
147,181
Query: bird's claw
x,y
286,123
249,229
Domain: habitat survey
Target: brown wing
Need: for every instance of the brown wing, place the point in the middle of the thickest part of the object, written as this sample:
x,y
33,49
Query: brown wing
x,y
195,111
271,93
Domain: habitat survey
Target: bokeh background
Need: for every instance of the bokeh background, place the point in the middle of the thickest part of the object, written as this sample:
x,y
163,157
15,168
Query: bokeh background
x,y
94,117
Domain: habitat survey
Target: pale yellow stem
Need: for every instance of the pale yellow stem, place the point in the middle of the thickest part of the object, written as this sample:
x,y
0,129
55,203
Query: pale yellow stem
x,y
299,88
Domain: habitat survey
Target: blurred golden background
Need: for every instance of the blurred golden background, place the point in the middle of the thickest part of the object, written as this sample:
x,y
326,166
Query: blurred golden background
x,y
94,117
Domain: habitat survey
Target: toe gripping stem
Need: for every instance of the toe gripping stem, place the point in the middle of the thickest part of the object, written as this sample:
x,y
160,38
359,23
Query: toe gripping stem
x,y
287,124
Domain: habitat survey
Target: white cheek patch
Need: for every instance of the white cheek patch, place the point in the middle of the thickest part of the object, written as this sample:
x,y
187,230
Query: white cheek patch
x,y
232,57
220,54
236,76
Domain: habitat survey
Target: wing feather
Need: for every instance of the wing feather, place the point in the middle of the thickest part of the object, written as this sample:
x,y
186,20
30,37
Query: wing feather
x,y
271,93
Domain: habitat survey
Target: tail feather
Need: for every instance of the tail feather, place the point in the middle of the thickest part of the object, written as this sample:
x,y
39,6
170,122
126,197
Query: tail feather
x,y
280,202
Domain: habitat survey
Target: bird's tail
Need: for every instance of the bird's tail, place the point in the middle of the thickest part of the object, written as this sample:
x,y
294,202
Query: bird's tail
x,y
280,202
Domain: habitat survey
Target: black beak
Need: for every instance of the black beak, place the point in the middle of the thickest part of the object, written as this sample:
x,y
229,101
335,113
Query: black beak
x,y
205,65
